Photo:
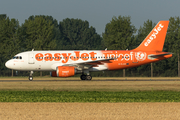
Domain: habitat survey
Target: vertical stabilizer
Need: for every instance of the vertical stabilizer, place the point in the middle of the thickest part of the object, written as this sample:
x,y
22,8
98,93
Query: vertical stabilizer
x,y
155,40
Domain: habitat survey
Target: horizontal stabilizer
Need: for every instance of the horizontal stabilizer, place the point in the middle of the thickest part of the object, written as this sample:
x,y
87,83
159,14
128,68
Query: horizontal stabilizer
x,y
159,55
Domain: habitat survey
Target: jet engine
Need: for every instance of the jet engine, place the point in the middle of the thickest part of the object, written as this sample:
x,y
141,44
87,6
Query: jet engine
x,y
64,71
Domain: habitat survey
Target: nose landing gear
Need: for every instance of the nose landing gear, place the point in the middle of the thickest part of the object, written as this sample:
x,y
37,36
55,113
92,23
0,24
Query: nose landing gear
x,y
30,76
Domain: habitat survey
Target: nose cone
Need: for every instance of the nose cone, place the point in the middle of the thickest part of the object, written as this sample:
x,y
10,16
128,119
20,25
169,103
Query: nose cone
x,y
8,64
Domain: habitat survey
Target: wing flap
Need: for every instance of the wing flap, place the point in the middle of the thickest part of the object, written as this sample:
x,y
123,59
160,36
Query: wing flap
x,y
89,64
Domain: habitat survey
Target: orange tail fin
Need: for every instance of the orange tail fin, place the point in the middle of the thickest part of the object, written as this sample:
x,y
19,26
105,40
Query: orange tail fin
x,y
155,40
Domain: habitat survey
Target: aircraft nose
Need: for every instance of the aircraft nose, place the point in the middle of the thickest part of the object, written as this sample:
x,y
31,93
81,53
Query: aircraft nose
x,y
8,64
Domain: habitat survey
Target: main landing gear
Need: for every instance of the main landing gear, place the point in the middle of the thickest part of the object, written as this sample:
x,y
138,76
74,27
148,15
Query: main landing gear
x,y
86,77
30,76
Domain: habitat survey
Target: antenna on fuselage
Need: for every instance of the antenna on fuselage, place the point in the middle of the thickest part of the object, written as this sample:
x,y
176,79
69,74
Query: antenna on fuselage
x,y
33,49
105,49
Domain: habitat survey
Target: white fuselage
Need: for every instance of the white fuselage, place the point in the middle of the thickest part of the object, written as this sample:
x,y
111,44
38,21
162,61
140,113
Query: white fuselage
x,y
43,61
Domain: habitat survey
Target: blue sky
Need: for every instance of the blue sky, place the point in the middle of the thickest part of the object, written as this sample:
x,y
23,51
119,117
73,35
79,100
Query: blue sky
x,y
97,12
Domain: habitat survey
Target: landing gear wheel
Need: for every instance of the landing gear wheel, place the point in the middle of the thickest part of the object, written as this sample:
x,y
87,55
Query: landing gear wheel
x,y
83,77
30,78
88,77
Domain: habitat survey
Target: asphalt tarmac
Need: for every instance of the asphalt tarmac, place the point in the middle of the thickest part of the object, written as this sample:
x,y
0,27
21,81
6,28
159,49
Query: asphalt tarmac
x,y
75,80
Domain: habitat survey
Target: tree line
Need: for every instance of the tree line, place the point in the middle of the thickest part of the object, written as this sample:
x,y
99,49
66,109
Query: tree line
x,y
42,32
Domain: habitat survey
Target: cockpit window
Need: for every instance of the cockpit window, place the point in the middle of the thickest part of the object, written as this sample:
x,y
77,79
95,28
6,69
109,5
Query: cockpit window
x,y
17,57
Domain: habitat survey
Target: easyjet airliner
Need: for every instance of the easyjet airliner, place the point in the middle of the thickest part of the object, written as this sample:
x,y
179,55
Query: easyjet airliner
x,y
68,63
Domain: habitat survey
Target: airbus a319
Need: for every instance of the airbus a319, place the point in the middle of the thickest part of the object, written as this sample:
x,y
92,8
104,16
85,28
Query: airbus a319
x,y
68,63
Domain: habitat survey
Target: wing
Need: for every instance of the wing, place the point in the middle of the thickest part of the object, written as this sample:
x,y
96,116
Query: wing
x,y
89,64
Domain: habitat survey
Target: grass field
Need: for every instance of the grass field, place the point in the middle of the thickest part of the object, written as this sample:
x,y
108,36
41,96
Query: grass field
x,y
89,96
102,98
46,89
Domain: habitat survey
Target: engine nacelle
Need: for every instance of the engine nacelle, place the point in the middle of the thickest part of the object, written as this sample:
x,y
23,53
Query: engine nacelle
x,y
64,71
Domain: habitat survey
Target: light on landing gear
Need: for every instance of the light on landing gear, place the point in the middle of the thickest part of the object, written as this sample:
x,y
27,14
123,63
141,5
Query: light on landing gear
x,y
30,78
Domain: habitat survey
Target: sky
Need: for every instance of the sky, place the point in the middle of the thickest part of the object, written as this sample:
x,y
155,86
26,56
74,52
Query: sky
x,y
97,12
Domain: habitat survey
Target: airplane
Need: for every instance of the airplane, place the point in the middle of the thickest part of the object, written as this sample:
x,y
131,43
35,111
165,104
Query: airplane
x,y
67,63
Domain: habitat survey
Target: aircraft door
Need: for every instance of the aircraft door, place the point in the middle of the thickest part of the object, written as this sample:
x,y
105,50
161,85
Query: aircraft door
x,y
31,58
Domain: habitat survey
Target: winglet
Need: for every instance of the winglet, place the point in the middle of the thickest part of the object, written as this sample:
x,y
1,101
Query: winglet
x,y
155,40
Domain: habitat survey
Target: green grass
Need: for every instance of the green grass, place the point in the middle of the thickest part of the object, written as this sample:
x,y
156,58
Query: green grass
x,y
89,96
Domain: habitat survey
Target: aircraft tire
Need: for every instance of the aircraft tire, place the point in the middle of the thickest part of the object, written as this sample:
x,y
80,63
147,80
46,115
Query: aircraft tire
x,y
83,77
30,78
88,77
